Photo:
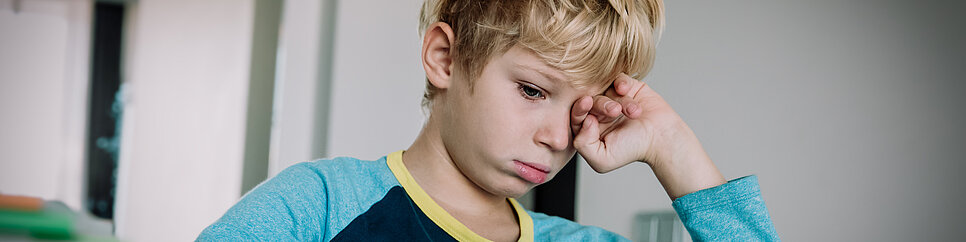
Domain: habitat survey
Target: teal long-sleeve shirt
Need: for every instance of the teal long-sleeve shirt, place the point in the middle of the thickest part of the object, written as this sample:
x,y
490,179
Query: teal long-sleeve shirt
x,y
346,199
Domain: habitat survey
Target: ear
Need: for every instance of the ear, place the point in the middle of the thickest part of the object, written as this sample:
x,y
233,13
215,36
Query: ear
x,y
437,61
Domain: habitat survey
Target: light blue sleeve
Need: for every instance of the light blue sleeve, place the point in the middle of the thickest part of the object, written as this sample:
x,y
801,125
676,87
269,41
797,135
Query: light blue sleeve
x,y
288,207
733,211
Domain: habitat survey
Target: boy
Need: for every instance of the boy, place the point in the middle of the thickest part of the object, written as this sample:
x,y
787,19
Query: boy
x,y
515,89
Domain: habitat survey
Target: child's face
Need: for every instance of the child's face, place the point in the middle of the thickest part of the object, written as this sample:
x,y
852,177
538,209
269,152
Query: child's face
x,y
512,132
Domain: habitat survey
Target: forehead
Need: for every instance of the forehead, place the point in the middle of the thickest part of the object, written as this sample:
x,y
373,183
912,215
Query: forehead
x,y
525,60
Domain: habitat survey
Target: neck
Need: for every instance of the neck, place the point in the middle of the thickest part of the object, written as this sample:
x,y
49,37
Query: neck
x,y
434,170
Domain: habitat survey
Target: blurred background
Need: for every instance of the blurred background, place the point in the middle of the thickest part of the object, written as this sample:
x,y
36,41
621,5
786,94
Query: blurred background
x,y
155,116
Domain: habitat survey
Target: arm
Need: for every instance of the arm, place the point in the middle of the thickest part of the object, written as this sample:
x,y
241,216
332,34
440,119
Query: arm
x,y
733,211
288,207
644,128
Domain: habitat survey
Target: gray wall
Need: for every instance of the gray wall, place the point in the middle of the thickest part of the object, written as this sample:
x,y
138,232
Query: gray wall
x,y
850,113
377,79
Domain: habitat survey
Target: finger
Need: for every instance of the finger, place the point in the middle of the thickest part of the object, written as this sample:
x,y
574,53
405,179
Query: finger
x,y
623,84
625,91
587,141
579,112
589,145
606,109
630,108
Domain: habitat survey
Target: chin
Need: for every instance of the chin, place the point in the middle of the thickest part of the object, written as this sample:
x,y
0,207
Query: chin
x,y
517,189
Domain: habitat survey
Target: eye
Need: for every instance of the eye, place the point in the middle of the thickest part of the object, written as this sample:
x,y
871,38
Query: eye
x,y
530,92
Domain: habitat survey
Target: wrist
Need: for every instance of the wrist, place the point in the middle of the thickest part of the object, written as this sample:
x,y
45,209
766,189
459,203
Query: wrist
x,y
689,175
673,144
682,166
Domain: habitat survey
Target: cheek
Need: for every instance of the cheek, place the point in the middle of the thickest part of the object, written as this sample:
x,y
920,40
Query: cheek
x,y
520,118
501,121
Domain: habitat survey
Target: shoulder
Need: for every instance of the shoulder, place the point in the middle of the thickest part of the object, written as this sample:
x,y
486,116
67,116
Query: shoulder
x,y
306,201
553,228
336,172
337,165
312,187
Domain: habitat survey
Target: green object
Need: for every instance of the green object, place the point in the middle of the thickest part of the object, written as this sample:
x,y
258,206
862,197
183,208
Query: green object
x,y
44,224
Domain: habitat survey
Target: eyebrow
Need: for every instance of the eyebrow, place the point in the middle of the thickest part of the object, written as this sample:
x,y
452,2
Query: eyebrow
x,y
542,72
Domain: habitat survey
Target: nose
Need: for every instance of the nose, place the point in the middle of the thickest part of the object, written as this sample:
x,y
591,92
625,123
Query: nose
x,y
554,132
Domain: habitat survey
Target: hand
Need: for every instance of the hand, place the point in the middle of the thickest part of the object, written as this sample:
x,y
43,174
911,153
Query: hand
x,y
631,122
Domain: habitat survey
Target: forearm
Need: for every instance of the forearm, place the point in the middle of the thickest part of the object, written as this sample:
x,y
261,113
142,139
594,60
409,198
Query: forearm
x,y
709,207
687,167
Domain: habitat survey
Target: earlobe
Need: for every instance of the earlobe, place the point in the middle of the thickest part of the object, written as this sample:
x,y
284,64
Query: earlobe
x,y
437,61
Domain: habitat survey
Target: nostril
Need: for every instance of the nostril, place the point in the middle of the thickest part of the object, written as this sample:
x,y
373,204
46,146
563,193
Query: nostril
x,y
554,142
558,143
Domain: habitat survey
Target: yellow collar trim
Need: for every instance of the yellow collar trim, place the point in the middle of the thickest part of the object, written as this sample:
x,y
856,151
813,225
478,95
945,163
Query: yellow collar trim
x,y
439,215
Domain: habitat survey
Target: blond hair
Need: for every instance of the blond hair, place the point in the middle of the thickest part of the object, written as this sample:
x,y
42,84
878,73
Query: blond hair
x,y
590,41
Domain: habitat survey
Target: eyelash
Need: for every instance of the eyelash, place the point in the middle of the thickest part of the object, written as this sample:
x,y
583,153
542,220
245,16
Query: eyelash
x,y
525,88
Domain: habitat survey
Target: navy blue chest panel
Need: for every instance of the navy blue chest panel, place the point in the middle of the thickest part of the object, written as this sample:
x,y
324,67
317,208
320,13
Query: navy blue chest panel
x,y
394,218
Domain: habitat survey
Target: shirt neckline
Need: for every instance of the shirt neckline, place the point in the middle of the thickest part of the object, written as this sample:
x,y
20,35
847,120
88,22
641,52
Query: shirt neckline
x,y
439,215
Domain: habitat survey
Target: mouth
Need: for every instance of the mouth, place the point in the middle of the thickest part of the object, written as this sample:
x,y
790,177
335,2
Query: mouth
x,y
532,172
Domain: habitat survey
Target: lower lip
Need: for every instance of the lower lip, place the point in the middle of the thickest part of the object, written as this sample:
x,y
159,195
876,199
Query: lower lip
x,y
529,173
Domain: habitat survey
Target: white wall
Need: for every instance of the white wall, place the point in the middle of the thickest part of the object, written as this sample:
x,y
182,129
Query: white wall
x,y
184,122
850,113
44,56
